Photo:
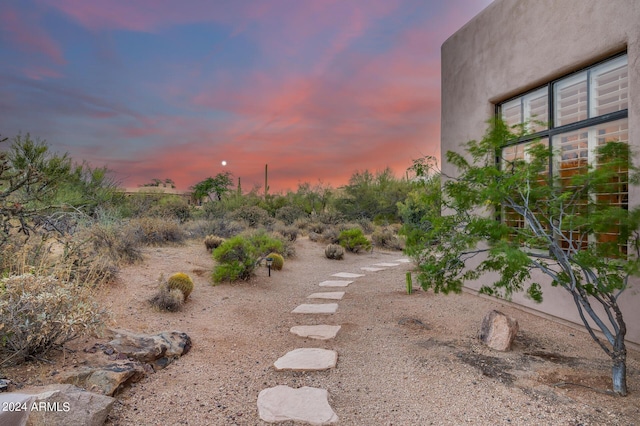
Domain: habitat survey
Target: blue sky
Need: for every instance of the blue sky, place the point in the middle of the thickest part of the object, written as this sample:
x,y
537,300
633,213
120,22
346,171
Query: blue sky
x,y
317,89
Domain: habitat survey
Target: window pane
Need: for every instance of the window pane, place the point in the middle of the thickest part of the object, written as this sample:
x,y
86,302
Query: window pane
x,y
570,97
536,110
512,112
610,87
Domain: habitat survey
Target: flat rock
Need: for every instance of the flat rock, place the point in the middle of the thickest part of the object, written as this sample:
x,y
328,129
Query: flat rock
x,y
372,269
107,380
333,295
347,275
316,308
403,260
57,405
306,404
159,350
387,264
307,359
320,332
335,283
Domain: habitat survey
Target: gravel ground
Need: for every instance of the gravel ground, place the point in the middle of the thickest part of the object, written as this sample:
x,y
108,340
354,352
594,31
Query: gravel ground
x,y
402,359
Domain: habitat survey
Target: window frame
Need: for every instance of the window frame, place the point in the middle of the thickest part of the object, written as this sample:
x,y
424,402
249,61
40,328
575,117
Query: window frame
x,y
551,132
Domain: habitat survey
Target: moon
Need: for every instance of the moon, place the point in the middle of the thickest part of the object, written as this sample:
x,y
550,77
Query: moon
x,y
224,163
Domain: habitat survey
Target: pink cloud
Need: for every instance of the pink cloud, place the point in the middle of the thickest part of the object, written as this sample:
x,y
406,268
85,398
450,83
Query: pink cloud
x,y
25,31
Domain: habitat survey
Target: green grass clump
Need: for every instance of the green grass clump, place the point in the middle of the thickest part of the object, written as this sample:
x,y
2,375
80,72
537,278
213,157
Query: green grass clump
x,y
182,282
354,240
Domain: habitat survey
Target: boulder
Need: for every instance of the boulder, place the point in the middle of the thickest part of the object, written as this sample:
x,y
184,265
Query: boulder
x,y
57,405
159,350
107,380
498,330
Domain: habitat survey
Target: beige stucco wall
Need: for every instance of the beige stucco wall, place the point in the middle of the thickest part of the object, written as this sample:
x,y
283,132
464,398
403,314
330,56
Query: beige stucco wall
x,y
516,45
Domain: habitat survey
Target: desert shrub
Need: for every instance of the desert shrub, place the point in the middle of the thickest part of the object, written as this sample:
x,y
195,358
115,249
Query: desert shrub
x,y
212,242
182,282
331,217
289,214
366,225
18,256
317,227
288,232
236,259
167,299
354,240
120,242
254,216
157,231
266,243
334,251
226,228
330,235
314,236
302,223
39,313
277,261
387,238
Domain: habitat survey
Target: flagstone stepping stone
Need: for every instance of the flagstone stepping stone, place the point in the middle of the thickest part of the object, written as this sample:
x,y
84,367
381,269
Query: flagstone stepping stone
x,y
372,269
307,359
347,275
334,295
335,283
319,332
403,260
316,308
306,404
387,264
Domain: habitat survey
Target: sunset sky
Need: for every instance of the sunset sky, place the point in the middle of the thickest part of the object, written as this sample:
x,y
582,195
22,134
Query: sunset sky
x,y
316,89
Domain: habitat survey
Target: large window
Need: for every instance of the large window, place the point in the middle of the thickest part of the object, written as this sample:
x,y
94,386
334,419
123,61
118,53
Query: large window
x,y
573,116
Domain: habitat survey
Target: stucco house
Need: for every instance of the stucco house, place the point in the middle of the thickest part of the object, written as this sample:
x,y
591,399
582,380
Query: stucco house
x,y
574,64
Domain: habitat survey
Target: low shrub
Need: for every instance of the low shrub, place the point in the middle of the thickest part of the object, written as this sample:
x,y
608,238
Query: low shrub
x,y
317,227
314,236
182,282
288,232
212,242
353,240
277,261
330,235
236,259
334,251
39,313
167,299
157,231
254,216
289,214
387,238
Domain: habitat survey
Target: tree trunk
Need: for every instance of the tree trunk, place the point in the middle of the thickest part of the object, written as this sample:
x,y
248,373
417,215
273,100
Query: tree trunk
x,y
619,376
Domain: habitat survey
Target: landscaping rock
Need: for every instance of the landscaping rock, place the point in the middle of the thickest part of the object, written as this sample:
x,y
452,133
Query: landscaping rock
x,y
498,330
307,359
159,350
107,380
320,332
306,404
333,295
316,308
335,283
347,275
57,405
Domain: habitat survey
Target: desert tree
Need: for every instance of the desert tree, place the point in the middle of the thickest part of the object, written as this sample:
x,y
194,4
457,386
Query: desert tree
x,y
216,186
508,214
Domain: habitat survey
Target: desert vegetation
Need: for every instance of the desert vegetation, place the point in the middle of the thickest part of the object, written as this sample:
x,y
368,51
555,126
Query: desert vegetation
x,y
67,228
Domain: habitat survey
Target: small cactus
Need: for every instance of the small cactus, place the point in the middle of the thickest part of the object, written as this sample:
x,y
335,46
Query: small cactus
x,y
334,251
277,261
212,242
182,282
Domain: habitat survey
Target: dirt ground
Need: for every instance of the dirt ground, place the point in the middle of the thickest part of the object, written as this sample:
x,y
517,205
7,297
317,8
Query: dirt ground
x,y
402,359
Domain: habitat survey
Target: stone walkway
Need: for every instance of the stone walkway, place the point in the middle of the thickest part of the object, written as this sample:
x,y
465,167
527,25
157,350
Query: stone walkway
x,y
306,404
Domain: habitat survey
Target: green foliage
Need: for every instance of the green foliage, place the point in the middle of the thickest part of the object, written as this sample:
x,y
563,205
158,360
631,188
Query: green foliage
x,y
387,238
39,313
372,196
212,187
254,216
182,282
354,240
564,216
237,258
289,214
334,251
277,261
